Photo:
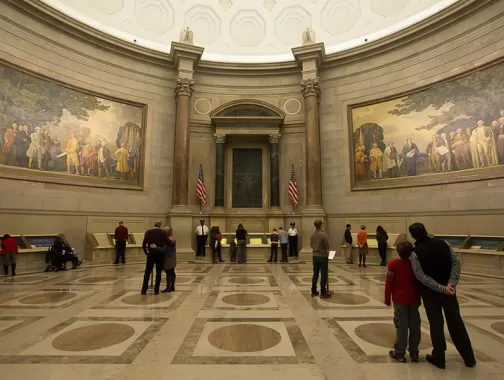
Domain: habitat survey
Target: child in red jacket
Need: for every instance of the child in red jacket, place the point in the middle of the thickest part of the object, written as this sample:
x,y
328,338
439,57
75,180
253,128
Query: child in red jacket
x,y
401,286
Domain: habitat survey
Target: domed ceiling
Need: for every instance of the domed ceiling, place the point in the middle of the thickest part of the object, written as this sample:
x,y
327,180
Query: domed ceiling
x,y
250,30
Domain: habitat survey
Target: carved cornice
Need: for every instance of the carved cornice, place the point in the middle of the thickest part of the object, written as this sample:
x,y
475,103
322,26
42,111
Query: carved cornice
x,y
183,86
220,138
274,138
310,87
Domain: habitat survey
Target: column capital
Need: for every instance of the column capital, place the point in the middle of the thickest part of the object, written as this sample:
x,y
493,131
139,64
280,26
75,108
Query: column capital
x,y
220,138
183,86
310,87
274,138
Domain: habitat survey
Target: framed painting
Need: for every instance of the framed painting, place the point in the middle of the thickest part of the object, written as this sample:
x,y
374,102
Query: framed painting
x,y
449,132
51,132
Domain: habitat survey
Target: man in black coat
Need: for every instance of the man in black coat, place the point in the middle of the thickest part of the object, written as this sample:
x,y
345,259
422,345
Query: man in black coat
x,y
437,268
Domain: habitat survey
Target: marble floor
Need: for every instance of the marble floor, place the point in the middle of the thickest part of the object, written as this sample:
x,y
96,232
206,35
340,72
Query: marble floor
x,y
226,322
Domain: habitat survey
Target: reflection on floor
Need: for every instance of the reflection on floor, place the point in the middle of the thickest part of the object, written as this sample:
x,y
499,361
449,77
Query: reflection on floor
x,y
259,320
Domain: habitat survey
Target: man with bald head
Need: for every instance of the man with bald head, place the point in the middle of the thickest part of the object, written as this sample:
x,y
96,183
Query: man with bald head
x,y
154,245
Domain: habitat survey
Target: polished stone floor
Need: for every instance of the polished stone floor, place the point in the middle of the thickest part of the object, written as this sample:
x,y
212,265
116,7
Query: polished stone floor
x,y
254,321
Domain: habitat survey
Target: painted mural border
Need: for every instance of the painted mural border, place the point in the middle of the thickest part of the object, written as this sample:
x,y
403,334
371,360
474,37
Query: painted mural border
x,y
70,182
482,174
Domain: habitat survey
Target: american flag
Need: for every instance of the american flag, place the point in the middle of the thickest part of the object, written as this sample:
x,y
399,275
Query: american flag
x,y
293,193
200,186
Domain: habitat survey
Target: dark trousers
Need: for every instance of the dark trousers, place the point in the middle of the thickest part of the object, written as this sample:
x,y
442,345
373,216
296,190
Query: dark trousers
x,y
274,253
407,324
382,250
293,246
201,245
435,304
153,259
320,265
170,279
120,252
284,252
217,254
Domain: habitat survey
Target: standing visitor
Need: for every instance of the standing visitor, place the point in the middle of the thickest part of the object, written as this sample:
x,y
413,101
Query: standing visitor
x,y
170,262
233,250
319,243
121,237
217,247
363,246
284,241
293,240
154,245
274,246
241,237
382,238
8,254
348,243
437,268
201,238
401,286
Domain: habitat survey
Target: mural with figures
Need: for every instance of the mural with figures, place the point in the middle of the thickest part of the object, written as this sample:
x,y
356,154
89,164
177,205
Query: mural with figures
x,y
451,132
55,133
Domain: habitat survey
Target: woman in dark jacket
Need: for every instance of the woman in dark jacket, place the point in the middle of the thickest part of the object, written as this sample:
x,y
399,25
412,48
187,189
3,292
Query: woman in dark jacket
x,y
241,237
382,237
170,262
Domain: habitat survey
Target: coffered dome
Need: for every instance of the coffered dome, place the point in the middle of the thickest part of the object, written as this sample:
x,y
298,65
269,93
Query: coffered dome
x,y
250,30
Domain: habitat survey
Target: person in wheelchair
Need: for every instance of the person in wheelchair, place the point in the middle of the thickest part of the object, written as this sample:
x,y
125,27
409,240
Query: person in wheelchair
x,y
58,255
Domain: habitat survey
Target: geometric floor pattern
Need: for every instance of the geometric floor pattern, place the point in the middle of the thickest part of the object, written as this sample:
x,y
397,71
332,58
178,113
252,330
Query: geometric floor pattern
x,y
254,321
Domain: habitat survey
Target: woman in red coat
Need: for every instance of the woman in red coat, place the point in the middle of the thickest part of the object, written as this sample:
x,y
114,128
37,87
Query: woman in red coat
x,y
8,254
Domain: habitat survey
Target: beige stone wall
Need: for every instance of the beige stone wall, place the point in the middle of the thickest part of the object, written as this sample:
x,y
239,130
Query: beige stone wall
x,y
473,207
30,207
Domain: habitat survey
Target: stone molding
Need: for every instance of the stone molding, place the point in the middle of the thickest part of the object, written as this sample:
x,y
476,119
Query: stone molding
x,y
310,87
183,86
220,138
274,138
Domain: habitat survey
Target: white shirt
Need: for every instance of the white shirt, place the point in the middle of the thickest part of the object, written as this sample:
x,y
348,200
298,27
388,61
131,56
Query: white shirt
x,y
292,231
200,228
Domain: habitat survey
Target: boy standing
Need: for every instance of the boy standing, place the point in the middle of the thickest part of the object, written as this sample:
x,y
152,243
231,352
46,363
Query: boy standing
x,y
274,246
401,285
363,246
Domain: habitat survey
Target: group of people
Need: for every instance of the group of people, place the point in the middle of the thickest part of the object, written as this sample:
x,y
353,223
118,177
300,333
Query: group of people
x,y
362,238
40,150
428,271
475,148
288,241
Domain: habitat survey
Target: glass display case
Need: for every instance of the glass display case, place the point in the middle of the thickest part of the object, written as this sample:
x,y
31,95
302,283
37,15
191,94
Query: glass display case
x,y
41,241
487,243
130,240
454,241
256,239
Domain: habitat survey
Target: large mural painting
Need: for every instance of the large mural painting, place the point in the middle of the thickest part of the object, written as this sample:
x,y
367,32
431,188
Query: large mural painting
x,y
54,133
451,132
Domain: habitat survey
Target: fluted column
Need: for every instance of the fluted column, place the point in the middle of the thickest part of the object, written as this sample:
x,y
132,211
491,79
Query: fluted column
x,y
311,93
183,93
274,140
220,140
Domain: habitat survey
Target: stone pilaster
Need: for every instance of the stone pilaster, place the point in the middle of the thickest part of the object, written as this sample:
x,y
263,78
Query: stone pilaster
x,y
220,149
274,140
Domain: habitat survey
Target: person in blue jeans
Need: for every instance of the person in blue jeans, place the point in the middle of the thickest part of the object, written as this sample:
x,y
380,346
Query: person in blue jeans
x,y
320,247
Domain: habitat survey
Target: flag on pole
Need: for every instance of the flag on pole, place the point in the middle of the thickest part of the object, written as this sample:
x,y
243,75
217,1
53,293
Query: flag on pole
x,y
200,186
293,193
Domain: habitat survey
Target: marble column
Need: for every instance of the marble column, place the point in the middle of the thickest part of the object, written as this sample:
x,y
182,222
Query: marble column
x,y
183,93
220,140
274,140
311,93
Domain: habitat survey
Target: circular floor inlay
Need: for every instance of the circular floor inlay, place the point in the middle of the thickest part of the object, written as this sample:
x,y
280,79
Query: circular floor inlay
x,y
246,280
149,299
183,279
244,338
47,297
244,299
332,280
245,269
93,337
498,326
347,299
25,279
383,335
95,280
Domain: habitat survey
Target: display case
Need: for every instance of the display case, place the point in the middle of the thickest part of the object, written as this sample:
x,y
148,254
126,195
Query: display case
x,y
100,248
42,241
487,243
454,241
130,241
